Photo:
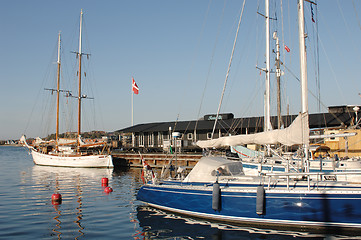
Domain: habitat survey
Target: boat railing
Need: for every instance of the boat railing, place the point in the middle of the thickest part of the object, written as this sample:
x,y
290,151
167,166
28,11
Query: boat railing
x,y
288,163
319,176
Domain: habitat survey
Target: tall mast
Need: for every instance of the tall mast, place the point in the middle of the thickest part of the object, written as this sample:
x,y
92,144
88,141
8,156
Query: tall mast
x,y
303,65
278,78
267,94
303,57
79,75
57,96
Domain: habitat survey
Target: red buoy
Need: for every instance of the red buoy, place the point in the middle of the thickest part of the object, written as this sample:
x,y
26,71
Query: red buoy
x,y
108,190
105,181
56,203
56,199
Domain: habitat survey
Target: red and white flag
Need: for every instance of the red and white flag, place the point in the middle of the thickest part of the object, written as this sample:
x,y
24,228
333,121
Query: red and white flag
x,y
287,49
135,87
147,170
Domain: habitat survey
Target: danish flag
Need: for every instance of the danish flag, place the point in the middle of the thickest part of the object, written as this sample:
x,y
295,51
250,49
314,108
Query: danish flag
x,y
135,87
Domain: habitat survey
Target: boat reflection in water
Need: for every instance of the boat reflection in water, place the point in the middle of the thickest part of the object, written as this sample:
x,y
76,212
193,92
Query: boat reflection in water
x,y
158,224
76,185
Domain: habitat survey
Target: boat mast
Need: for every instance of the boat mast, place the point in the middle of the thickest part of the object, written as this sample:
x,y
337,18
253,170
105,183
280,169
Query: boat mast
x,y
79,76
57,96
303,67
278,77
267,125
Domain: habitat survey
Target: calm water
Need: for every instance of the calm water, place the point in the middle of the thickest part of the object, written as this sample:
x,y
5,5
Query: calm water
x,y
87,212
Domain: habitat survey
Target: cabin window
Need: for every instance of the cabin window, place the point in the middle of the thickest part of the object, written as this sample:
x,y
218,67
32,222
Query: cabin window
x,y
190,136
141,140
151,140
209,135
160,138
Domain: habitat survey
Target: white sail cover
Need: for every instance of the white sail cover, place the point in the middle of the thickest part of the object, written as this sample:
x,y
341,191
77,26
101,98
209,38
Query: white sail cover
x,y
296,133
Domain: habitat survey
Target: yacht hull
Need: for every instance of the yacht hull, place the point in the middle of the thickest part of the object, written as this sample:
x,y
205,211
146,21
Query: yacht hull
x,y
318,209
98,161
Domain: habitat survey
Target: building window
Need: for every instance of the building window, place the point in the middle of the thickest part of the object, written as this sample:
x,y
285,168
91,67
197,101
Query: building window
x,y
151,140
190,136
160,139
141,140
209,135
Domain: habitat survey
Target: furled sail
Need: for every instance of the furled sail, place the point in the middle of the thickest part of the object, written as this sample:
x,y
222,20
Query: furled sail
x,y
296,133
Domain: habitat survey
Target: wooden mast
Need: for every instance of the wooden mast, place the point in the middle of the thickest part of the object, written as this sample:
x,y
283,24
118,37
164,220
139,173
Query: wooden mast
x,y
57,97
79,76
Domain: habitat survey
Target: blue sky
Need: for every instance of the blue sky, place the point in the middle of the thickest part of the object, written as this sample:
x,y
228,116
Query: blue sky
x,y
177,52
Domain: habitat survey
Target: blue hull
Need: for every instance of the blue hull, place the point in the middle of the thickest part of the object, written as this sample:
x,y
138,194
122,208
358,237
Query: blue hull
x,y
298,209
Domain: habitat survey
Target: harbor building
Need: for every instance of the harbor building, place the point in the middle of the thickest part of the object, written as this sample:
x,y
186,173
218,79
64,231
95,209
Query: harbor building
x,y
157,137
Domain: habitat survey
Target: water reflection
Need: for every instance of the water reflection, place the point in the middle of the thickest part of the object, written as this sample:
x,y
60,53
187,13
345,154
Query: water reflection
x,y
79,215
58,222
70,183
157,224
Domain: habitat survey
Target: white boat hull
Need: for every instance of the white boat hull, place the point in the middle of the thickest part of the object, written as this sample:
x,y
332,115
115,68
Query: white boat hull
x,y
97,161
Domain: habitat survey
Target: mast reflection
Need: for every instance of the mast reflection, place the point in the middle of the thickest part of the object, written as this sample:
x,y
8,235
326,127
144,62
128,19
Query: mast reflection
x,y
70,183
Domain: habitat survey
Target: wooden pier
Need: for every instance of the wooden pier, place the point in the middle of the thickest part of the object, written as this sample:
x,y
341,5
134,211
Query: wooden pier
x,y
156,160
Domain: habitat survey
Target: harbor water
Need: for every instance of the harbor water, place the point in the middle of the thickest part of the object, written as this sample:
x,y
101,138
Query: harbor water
x,y
87,212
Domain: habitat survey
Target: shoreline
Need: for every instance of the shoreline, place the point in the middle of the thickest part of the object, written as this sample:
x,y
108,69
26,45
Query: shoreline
x,y
11,145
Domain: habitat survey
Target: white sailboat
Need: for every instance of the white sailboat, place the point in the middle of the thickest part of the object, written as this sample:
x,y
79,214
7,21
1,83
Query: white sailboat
x,y
73,153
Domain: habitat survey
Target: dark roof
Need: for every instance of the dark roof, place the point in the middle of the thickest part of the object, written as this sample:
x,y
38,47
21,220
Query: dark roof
x,y
317,120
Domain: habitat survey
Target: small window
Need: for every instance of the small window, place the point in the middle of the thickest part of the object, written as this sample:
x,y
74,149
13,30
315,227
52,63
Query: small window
x,y
209,135
190,136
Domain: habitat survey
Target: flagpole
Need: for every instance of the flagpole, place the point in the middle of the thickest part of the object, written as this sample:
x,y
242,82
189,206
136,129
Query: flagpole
x,y
132,114
132,105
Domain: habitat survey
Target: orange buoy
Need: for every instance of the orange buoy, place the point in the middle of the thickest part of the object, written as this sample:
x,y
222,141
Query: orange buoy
x,y
56,199
108,190
104,181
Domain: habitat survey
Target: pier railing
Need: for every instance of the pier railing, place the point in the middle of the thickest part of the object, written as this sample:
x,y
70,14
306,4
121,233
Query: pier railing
x,y
158,160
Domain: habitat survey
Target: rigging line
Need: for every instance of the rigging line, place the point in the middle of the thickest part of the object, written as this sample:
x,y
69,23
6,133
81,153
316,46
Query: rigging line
x,y
318,80
284,82
238,122
314,95
355,46
91,87
332,71
244,57
211,63
195,53
186,129
316,57
42,85
339,52
94,91
354,8
229,66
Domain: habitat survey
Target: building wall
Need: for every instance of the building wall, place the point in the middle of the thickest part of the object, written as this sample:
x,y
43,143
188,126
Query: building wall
x,y
339,145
